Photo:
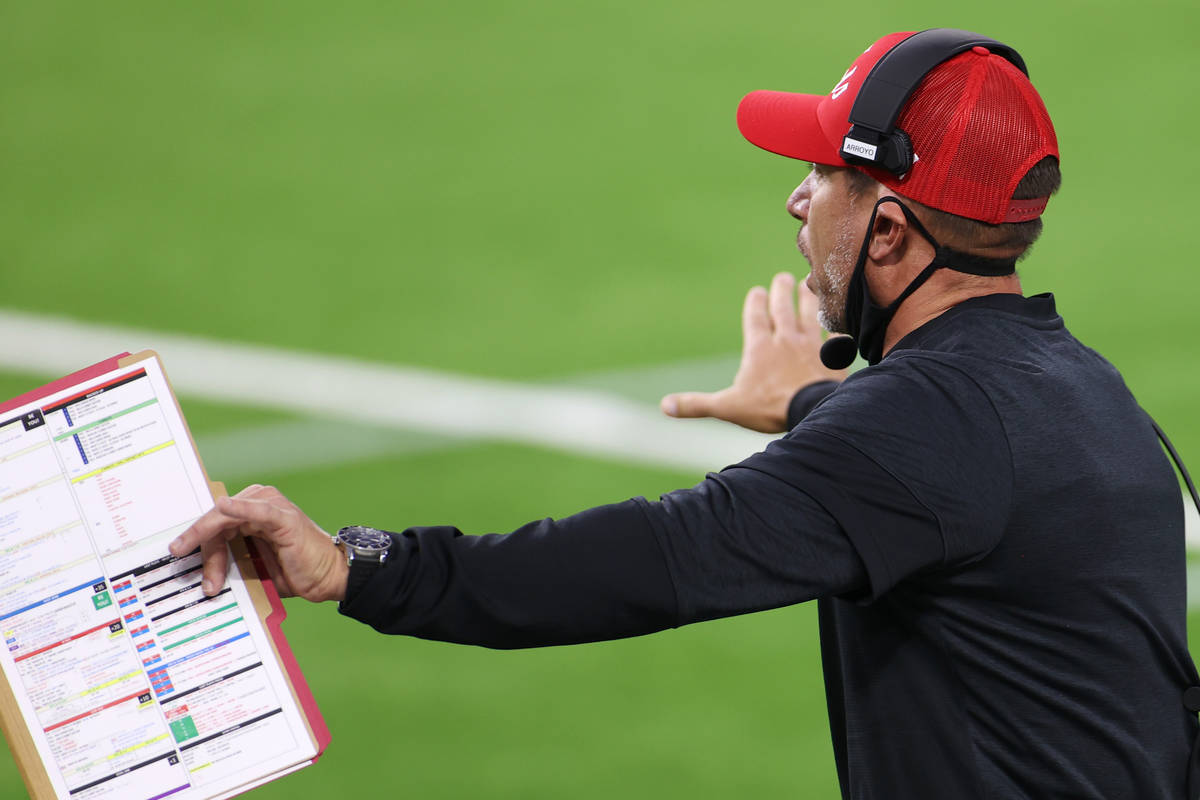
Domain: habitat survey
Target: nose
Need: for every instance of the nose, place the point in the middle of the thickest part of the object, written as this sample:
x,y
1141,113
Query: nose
x,y
798,203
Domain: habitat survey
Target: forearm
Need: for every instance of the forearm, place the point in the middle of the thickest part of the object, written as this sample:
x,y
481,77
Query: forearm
x,y
740,541
596,575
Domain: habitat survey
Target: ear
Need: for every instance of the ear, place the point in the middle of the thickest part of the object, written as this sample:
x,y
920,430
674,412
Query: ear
x,y
888,235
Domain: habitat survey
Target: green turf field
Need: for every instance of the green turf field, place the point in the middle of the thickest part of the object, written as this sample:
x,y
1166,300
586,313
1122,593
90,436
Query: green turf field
x,y
543,192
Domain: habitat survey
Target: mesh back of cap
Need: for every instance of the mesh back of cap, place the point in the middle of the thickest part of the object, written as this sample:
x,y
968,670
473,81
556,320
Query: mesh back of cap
x,y
977,126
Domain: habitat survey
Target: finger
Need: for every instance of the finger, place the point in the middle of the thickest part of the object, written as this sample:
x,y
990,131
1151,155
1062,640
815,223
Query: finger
x,y
252,517
689,405
756,323
210,524
782,304
262,516
808,308
216,565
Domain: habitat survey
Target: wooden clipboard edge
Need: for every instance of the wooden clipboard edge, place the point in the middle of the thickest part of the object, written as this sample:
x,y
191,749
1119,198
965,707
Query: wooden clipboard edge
x,y
12,721
259,586
20,743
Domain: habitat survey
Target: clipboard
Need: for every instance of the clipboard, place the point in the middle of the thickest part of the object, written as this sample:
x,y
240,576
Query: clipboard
x,y
255,580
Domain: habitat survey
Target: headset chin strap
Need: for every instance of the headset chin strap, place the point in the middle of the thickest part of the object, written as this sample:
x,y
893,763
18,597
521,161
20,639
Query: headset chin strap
x,y
866,320
957,260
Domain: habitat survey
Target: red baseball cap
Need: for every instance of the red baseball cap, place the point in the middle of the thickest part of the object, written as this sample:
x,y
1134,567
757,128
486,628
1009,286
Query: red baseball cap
x,y
976,123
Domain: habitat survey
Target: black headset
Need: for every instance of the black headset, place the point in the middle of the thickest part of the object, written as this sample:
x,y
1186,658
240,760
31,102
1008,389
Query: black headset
x,y
874,140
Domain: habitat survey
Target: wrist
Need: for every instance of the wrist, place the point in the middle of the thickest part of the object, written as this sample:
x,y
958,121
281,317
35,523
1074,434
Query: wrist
x,y
806,399
364,552
339,579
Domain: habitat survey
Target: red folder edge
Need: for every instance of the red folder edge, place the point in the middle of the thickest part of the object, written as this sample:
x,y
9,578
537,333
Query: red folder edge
x,y
273,621
108,365
308,703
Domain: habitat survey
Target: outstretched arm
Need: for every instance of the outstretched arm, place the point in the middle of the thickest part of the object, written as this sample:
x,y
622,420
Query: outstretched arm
x,y
740,541
780,355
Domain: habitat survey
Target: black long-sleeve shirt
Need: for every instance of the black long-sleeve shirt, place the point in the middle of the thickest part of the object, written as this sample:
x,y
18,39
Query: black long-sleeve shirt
x,y
995,536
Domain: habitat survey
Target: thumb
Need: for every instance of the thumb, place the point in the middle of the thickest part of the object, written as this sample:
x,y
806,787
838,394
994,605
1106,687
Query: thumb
x,y
687,405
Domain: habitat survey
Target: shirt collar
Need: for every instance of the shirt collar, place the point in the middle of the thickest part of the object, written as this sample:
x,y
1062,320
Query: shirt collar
x,y
1038,310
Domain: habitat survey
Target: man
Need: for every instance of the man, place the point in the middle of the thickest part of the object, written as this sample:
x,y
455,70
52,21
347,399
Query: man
x,y
995,537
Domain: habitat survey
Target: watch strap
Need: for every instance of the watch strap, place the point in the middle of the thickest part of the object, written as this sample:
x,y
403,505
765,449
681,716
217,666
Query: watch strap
x,y
361,572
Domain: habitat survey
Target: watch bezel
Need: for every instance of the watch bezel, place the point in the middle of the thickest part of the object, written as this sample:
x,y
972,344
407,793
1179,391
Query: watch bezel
x,y
373,548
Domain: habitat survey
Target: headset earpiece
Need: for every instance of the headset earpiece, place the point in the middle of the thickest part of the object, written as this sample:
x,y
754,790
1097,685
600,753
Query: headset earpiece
x,y
898,153
893,152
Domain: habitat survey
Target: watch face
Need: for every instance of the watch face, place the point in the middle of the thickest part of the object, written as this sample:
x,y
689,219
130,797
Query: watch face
x,y
362,538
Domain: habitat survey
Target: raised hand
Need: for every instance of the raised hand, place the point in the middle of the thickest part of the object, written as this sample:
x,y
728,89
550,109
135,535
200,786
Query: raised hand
x,y
780,355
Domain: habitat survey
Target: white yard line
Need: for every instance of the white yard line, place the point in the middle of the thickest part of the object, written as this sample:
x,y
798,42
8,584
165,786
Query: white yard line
x,y
265,452
1191,521
1193,587
442,408
583,421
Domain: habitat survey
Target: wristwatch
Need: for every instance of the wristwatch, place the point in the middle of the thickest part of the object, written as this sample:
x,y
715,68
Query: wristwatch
x,y
366,550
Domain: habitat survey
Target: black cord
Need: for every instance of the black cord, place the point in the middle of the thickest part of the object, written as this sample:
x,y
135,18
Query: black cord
x,y
1178,462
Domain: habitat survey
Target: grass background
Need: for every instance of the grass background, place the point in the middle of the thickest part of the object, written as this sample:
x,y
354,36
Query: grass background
x,y
533,189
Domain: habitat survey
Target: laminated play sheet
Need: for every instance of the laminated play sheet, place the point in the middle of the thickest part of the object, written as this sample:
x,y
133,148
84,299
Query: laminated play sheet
x,y
120,678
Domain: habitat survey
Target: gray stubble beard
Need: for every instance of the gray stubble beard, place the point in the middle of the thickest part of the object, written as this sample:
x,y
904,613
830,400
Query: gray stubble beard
x,y
838,268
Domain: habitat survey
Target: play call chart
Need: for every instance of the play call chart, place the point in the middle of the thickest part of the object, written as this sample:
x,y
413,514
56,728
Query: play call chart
x,y
134,684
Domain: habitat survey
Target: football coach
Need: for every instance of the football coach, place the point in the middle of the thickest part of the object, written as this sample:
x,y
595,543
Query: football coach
x,y
983,512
